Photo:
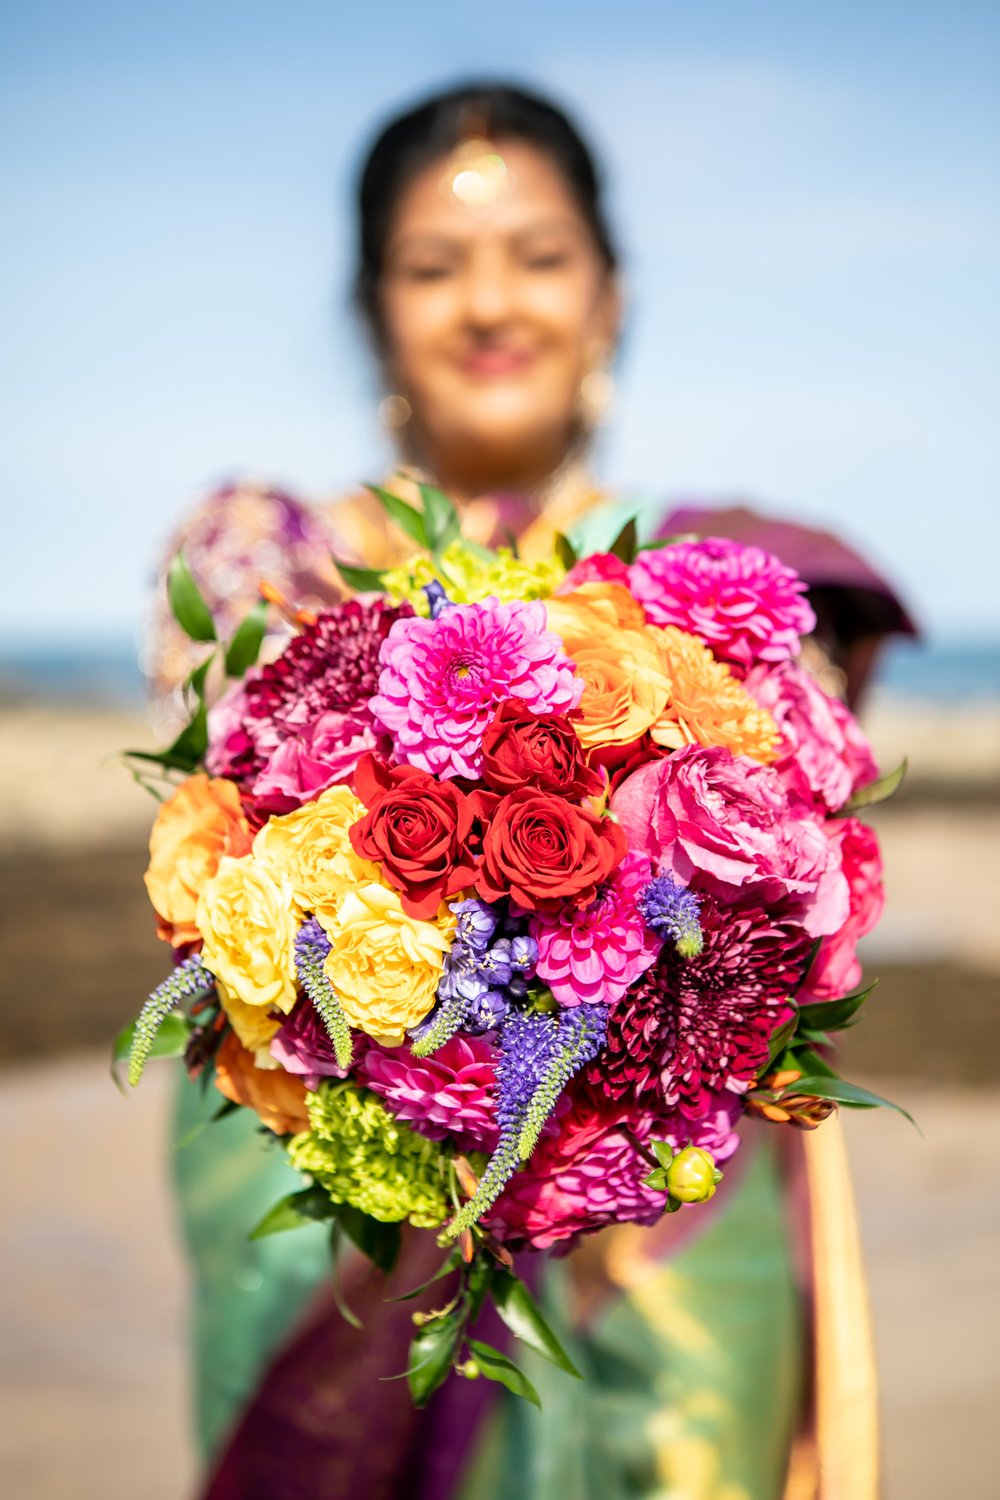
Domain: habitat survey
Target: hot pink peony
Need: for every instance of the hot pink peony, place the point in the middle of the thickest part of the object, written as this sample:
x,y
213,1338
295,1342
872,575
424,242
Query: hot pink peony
x,y
835,970
742,601
591,1173
442,680
449,1093
823,751
723,824
593,955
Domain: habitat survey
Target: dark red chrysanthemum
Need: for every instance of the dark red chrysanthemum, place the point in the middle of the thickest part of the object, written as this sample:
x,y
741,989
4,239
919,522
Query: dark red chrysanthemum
x,y
331,665
302,721
692,1028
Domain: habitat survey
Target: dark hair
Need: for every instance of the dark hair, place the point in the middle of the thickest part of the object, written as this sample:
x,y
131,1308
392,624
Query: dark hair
x,y
434,128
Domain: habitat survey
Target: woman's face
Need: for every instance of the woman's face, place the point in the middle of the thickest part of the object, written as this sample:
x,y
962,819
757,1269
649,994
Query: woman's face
x,y
492,315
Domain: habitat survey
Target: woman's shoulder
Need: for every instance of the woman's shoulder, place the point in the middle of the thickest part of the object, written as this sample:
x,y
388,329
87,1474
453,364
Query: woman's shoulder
x,y
250,532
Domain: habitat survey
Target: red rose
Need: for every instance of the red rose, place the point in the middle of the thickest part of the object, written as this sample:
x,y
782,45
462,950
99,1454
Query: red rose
x,y
542,851
423,832
522,749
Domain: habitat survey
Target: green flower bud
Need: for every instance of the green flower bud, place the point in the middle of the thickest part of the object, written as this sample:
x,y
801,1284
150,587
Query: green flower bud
x,y
692,1176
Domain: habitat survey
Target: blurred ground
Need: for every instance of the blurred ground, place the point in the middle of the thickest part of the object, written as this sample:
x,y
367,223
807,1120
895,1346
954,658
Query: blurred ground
x,y
92,1291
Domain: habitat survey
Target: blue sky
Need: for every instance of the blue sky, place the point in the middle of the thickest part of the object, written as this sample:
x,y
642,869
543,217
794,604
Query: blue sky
x,y
808,198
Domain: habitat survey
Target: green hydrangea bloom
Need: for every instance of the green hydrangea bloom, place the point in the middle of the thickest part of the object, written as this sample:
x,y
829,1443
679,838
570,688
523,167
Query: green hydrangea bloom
x,y
470,575
363,1156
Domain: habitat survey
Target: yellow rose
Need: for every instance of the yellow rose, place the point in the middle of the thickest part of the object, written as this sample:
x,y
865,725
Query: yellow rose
x,y
384,965
246,916
252,1023
311,849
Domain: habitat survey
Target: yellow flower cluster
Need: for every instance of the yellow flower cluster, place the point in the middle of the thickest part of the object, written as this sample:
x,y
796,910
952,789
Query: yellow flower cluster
x,y
384,965
469,574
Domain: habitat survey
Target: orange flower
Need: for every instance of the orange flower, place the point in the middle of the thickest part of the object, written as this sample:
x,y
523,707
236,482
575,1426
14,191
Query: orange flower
x,y
604,632
194,828
278,1097
707,705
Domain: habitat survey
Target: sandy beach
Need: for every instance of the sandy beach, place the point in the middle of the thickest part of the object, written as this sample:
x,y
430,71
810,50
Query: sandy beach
x,y
92,1300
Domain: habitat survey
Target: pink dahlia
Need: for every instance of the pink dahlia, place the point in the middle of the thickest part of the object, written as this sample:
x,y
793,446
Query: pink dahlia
x,y
695,1029
835,970
742,601
443,680
823,751
599,567
449,1093
724,824
592,955
302,722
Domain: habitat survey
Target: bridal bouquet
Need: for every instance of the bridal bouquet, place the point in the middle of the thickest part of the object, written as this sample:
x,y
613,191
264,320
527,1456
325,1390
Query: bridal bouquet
x,y
506,890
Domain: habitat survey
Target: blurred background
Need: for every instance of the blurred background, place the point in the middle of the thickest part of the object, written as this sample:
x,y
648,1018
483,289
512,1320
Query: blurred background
x,y
809,203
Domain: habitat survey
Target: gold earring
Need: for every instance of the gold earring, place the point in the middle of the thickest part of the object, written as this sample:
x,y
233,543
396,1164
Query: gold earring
x,y
596,392
394,411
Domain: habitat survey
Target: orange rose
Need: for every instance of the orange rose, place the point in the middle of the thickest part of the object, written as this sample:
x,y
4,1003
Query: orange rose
x,y
278,1097
707,705
604,632
194,828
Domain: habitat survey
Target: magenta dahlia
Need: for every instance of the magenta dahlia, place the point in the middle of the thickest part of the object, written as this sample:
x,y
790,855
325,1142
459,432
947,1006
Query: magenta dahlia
x,y
592,955
694,1029
740,600
584,1176
302,722
448,1093
442,680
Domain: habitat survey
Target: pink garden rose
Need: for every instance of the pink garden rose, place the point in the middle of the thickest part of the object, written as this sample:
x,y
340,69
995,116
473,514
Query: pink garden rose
x,y
836,970
324,753
823,751
591,1172
724,824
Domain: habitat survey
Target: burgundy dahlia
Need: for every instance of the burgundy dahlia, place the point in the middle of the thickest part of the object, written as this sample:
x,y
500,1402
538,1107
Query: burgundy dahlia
x,y
301,723
694,1028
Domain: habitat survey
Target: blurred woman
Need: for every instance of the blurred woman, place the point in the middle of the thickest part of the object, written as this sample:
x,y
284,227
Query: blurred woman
x,y
488,281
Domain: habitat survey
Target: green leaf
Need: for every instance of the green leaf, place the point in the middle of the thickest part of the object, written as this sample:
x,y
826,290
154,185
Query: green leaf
x,y
877,791
347,1313
565,551
657,1179
842,1092
170,1040
781,1038
626,542
244,648
312,1205
835,1015
663,1151
432,1354
452,1263
186,603
441,521
405,516
523,1317
190,745
808,1063
361,580
496,1366
380,1242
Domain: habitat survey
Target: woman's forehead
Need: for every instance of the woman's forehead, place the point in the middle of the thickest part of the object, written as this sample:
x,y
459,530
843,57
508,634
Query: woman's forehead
x,y
538,200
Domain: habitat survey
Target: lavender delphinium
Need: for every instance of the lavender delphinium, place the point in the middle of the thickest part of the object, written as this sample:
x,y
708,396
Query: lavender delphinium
x,y
437,598
311,948
674,911
539,1053
472,990
189,981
